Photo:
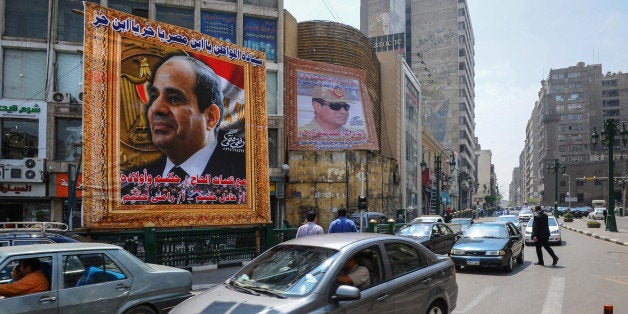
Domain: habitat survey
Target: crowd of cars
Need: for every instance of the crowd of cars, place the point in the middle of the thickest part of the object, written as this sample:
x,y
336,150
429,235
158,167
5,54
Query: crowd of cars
x,y
299,275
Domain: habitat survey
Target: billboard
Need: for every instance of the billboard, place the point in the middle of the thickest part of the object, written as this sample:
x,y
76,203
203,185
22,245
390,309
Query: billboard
x,y
175,129
327,107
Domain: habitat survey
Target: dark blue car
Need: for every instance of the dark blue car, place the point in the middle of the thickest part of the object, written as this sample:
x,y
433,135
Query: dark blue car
x,y
489,244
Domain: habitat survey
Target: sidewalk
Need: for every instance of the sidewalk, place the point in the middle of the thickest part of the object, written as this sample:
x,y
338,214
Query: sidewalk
x,y
580,225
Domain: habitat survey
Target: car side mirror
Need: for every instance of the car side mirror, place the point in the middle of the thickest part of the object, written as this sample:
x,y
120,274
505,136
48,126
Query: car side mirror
x,y
346,293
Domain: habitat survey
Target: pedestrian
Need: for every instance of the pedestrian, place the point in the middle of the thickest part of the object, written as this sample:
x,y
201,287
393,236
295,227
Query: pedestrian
x,y
310,227
604,213
342,224
540,236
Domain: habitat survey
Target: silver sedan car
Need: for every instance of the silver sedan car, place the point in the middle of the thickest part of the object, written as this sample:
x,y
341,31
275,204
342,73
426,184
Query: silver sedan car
x,y
93,278
303,275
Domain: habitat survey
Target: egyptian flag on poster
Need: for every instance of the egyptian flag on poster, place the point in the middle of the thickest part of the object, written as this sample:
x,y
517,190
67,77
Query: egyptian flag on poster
x,y
232,80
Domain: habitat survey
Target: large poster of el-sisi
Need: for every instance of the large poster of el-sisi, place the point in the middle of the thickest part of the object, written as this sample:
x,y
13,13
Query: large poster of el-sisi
x,y
174,108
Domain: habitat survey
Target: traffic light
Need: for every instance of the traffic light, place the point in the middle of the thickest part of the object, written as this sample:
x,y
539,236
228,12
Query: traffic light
x,y
362,204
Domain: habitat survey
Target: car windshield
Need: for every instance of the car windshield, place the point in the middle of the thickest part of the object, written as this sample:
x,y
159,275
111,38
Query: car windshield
x,y
525,211
508,218
497,231
285,270
415,230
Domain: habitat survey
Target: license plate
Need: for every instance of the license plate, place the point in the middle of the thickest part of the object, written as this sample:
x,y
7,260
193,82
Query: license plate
x,y
473,262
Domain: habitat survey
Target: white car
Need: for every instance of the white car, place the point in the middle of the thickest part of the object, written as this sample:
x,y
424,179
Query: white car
x,y
525,214
554,228
597,213
428,218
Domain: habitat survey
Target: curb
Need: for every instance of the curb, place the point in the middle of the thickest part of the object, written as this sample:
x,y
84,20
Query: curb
x,y
597,236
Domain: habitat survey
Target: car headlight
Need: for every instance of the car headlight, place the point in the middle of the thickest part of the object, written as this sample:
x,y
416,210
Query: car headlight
x,y
495,253
457,252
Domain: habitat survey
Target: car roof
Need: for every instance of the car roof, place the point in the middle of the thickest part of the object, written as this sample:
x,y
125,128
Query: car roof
x,y
507,216
337,241
54,248
367,213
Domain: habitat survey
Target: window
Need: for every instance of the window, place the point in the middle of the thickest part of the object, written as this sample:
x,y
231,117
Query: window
x,y
26,18
610,103
271,92
461,66
273,148
610,113
135,7
19,138
45,265
461,39
262,3
461,25
404,258
69,24
559,98
89,269
69,132
219,25
574,96
183,17
69,73
573,74
462,52
460,12
24,74
610,93
557,76
609,83
579,182
462,79
261,34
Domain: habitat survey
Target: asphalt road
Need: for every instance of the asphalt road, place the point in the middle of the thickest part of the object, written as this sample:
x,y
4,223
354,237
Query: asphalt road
x,y
589,274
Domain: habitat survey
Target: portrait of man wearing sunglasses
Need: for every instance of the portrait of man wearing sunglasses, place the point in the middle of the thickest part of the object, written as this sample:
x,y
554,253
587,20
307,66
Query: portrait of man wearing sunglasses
x,y
331,112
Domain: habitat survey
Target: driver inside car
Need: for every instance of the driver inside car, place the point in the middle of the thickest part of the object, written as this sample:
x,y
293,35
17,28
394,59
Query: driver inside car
x,y
354,274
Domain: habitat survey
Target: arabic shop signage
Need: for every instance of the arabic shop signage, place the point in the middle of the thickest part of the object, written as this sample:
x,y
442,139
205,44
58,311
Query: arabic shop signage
x,y
15,107
388,42
22,190
62,185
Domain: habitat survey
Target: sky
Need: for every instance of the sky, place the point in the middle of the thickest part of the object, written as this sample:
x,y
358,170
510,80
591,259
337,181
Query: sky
x,y
517,43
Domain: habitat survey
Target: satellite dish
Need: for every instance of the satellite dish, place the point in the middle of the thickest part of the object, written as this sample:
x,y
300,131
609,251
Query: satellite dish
x,y
30,163
30,174
58,97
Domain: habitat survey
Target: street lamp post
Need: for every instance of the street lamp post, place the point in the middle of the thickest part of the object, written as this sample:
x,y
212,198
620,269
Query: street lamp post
x,y
611,127
557,167
437,163
462,176
568,189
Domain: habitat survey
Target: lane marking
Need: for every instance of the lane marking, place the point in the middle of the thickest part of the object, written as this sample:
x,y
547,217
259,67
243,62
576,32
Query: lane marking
x,y
483,294
554,300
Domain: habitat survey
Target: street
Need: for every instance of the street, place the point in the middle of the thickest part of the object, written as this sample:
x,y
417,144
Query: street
x,y
590,273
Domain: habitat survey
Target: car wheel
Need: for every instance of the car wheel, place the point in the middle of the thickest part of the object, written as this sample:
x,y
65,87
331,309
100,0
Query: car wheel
x,y
520,257
436,308
508,267
141,309
458,268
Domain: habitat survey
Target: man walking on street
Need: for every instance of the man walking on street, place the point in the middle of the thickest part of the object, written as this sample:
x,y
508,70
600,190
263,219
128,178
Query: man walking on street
x,y
342,224
311,227
540,236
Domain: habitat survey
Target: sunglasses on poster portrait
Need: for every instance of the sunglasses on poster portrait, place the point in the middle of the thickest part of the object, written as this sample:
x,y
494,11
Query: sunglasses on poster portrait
x,y
335,106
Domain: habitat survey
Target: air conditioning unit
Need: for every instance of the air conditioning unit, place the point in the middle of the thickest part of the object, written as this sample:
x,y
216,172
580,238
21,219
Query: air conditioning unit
x,y
59,97
24,170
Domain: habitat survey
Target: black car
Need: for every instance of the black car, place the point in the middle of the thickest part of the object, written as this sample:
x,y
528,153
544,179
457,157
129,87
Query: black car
x,y
489,244
26,233
436,236
366,217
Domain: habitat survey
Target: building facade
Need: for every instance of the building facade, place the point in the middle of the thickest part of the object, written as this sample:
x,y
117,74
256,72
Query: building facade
x,y
438,44
41,66
573,103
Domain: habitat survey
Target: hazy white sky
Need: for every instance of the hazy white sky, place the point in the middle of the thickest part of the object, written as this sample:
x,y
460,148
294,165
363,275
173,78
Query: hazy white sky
x,y
517,42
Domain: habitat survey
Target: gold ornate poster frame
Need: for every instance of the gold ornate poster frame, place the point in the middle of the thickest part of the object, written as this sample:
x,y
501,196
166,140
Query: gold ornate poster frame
x,y
104,30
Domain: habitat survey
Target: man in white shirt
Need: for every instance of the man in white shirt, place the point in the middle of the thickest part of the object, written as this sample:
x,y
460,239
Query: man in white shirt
x,y
309,228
